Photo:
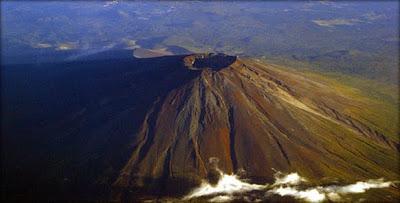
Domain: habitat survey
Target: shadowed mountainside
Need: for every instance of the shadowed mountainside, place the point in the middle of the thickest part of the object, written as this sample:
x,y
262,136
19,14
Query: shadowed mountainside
x,y
146,124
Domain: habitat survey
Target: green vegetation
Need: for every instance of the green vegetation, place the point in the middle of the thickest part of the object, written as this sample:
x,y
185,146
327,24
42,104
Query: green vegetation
x,y
381,112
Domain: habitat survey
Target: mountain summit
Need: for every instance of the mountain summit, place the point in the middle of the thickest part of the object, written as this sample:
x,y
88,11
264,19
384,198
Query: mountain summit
x,y
153,123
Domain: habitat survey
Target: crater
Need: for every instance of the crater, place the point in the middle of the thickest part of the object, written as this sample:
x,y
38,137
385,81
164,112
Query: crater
x,y
211,61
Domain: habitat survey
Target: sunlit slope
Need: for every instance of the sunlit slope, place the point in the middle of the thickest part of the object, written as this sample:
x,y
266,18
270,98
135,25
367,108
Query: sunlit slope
x,y
381,111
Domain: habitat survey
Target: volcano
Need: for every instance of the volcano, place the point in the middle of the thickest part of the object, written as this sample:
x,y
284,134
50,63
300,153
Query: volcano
x,y
135,128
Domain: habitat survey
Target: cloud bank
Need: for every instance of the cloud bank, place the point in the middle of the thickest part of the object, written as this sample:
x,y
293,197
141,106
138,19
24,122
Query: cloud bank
x,y
231,187
227,184
332,193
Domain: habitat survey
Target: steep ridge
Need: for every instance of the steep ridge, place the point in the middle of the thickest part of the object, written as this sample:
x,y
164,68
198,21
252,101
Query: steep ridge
x,y
149,126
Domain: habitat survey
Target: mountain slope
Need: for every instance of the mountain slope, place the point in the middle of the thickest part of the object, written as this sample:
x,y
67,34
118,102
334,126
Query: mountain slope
x,y
151,125
256,118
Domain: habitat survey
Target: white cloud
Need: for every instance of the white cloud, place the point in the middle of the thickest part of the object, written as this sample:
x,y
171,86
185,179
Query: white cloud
x,y
311,195
231,187
221,198
228,184
292,179
359,187
332,193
